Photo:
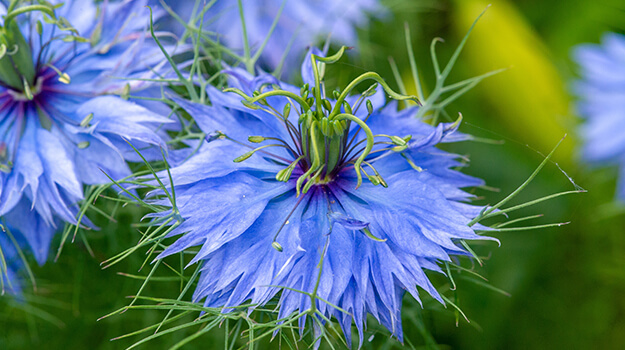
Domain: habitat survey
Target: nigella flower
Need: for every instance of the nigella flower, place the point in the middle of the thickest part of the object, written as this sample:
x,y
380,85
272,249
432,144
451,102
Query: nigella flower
x,y
602,102
300,23
61,124
340,182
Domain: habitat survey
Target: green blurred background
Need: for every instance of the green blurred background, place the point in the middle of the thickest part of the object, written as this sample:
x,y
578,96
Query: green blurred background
x,y
566,285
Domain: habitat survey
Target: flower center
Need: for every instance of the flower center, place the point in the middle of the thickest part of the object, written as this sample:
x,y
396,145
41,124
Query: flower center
x,y
29,92
323,142
18,71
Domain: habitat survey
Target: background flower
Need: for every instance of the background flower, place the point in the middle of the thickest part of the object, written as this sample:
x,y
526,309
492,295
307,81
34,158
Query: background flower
x,y
301,24
602,102
62,124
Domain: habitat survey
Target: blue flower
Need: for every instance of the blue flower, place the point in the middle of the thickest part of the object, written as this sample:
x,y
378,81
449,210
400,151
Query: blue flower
x,y
301,24
345,181
602,103
62,124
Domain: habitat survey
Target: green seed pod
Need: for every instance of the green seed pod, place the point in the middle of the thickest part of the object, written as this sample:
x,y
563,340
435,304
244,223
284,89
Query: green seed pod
x,y
382,182
325,129
5,168
277,246
369,106
338,128
243,157
327,105
371,90
287,111
125,92
85,122
256,139
373,179
399,149
347,108
304,91
284,175
301,119
398,141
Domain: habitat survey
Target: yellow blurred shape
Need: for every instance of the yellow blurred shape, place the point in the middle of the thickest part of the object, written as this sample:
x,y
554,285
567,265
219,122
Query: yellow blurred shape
x,y
529,98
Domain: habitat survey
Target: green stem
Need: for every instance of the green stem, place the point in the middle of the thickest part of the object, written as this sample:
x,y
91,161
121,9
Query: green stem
x,y
369,76
317,89
269,94
31,8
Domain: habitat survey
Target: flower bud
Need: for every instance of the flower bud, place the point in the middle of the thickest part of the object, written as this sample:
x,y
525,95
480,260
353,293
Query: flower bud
x,y
369,106
244,156
277,246
85,122
287,111
256,139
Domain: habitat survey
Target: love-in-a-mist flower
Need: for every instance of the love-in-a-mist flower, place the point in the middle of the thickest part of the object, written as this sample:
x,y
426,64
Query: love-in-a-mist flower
x,y
298,25
601,93
335,195
62,122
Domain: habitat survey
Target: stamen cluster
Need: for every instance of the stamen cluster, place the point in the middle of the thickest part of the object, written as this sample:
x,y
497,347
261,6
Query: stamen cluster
x,y
321,143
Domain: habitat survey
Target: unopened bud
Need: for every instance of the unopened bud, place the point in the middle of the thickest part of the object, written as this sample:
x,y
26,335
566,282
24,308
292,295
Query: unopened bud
x,y
125,92
373,179
304,91
243,157
256,139
372,90
277,246
338,127
369,106
287,111
398,141
327,105
85,122
347,108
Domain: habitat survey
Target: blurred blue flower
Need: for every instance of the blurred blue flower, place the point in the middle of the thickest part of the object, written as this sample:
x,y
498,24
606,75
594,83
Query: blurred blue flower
x,y
301,23
62,124
602,103
270,217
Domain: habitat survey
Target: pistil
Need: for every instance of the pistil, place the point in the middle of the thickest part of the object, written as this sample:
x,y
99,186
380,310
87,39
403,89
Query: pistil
x,y
320,143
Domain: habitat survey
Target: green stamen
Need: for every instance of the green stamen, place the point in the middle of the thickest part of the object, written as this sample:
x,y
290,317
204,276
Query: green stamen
x,y
247,155
320,139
